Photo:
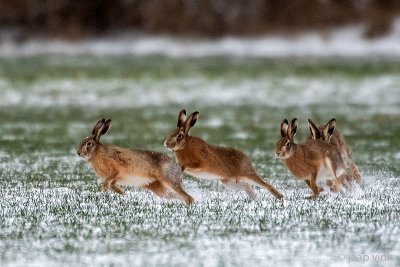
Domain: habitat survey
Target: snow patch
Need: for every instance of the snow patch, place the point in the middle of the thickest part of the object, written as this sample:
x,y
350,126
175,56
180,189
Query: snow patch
x,y
346,42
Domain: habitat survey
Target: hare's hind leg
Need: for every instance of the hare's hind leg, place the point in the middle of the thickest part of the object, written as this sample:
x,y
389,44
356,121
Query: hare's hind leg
x,y
157,188
334,185
116,188
234,184
340,176
178,189
353,167
343,177
249,191
255,179
354,170
160,190
171,177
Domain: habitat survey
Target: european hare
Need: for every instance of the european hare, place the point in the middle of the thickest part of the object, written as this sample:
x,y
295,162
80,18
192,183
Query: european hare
x,y
315,159
336,139
149,170
199,159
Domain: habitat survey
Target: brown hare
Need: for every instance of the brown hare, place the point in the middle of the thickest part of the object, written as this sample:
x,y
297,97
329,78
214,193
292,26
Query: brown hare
x,y
199,159
336,139
149,170
315,159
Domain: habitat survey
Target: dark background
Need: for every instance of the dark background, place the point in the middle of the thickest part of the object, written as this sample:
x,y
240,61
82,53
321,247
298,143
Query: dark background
x,y
76,19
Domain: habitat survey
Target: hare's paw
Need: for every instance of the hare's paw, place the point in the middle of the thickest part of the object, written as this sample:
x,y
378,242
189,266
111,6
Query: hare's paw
x,y
104,187
117,189
189,200
312,197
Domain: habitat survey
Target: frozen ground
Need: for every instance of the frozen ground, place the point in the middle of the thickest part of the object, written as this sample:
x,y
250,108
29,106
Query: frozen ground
x,y
53,211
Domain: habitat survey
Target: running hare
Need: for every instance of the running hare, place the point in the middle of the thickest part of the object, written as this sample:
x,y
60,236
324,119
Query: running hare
x,y
312,160
150,170
336,139
199,159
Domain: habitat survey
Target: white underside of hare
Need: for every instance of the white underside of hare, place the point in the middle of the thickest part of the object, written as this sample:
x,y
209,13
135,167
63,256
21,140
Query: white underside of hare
x,y
326,173
203,175
139,181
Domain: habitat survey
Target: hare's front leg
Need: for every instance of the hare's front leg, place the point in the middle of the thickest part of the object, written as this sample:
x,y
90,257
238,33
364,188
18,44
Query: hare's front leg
x,y
313,186
105,186
309,185
107,182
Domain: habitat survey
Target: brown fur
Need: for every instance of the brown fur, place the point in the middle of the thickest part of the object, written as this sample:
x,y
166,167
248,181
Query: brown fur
x,y
306,160
150,170
337,139
196,157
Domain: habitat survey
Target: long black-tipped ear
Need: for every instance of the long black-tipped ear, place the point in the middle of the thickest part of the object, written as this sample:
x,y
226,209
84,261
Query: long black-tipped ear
x,y
284,128
195,117
99,131
292,129
329,128
98,126
315,134
105,128
191,121
181,118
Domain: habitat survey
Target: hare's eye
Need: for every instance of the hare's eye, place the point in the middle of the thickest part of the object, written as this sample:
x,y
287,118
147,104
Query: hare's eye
x,y
288,144
180,136
89,143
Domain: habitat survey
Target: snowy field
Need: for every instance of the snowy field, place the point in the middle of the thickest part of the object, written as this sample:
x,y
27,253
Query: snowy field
x,y
52,209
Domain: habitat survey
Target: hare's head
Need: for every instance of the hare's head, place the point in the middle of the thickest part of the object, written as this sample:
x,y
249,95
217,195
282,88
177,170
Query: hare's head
x,y
89,145
285,146
177,138
322,133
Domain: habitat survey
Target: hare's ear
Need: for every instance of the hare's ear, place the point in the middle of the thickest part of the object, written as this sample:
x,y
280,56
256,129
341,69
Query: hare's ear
x,y
98,126
102,130
105,128
328,130
181,118
284,128
315,134
191,121
292,129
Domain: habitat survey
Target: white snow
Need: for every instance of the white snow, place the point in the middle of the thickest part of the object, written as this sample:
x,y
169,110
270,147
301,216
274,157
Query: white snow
x,y
344,42
380,94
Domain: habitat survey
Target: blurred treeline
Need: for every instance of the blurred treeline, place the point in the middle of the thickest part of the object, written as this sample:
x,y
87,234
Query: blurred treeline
x,y
78,18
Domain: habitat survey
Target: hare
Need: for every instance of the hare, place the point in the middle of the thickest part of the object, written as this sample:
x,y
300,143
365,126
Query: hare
x,y
315,159
149,170
199,159
336,139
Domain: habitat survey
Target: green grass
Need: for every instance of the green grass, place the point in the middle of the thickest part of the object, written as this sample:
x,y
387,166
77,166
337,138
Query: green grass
x,y
53,211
